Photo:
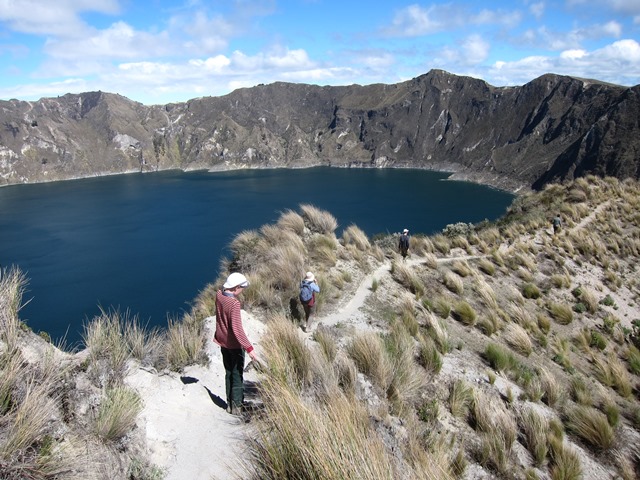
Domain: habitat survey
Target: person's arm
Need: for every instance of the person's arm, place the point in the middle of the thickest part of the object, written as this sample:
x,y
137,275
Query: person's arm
x,y
315,287
238,330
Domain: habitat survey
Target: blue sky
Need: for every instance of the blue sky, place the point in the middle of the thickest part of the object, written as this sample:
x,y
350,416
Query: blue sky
x,y
159,51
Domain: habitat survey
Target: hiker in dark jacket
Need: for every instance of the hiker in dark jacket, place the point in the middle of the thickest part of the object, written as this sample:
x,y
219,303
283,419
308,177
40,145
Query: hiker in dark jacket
x,y
403,244
557,223
308,289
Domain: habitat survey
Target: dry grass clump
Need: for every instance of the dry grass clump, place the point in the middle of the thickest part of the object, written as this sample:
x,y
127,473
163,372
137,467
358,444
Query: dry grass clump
x,y
441,243
611,372
421,245
437,331
453,282
323,250
289,359
534,428
353,235
12,286
498,431
461,267
327,343
461,396
318,220
561,313
486,266
428,355
108,350
486,293
293,221
407,277
590,425
464,313
368,352
184,342
519,339
117,413
431,261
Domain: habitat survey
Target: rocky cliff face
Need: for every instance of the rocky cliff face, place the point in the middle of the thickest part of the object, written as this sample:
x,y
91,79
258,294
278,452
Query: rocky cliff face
x,y
550,129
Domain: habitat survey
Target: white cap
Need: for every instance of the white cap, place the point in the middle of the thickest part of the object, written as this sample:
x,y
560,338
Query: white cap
x,y
405,231
310,277
234,280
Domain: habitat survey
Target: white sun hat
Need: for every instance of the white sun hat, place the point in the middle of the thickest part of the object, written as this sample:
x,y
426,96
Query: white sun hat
x,y
236,280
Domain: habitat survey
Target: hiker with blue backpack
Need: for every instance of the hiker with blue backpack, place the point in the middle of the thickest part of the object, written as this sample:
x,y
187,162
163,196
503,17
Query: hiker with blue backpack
x,y
308,289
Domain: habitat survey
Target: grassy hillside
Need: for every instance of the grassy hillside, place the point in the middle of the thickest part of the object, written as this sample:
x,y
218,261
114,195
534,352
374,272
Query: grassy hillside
x,y
494,351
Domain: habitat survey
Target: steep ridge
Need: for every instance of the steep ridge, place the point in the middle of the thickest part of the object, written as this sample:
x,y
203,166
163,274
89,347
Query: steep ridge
x,y
551,129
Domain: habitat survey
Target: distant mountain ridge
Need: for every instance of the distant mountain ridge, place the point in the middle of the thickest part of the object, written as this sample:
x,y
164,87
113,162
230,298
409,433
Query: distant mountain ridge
x,y
550,129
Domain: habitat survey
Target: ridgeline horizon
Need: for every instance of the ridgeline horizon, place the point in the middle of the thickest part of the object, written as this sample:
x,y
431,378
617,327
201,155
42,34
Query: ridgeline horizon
x,y
555,128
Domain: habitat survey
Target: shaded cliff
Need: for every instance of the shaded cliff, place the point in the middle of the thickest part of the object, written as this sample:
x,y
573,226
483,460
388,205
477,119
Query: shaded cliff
x,y
551,129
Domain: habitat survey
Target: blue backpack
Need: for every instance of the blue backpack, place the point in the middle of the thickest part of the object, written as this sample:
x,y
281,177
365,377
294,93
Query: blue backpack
x,y
306,293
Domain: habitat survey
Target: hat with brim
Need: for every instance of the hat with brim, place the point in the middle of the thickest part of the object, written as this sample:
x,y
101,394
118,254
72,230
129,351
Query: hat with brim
x,y
309,277
236,280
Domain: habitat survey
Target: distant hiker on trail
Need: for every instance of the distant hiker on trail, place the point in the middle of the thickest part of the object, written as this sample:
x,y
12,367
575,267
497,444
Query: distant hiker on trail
x,y
557,223
308,289
232,339
403,244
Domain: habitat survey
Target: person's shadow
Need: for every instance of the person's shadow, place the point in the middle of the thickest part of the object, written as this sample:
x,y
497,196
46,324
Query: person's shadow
x,y
214,398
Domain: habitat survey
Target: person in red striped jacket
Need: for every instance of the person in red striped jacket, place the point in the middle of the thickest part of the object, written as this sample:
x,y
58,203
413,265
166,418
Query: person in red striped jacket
x,y
232,339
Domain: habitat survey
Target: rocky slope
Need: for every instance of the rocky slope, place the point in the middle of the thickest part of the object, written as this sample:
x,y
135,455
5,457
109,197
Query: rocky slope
x,y
550,129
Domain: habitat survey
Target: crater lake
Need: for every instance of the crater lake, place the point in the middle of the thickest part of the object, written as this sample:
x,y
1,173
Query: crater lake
x,y
148,243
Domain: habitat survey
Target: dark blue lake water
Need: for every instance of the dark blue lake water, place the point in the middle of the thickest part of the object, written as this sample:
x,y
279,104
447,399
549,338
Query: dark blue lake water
x,y
148,243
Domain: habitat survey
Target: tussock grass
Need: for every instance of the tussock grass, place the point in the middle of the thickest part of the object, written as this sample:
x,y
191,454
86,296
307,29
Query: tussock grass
x,y
323,250
27,419
422,246
464,313
590,425
560,280
407,277
519,339
327,343
461,396
486,293
296,440
108,350
291,220
407,382
553,390
490,323
437,331
565,461
453,282
431,261
487,267
561,349
117,413
610,371
580,391
367,351
534,428
289,359
499,358
13,283
531,291
561,313
353,235
318,220
428,355
498,430
184,342
441,243
461,267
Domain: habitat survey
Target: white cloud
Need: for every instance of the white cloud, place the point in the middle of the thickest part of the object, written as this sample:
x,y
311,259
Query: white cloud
x,y
59,17
537,9
475,50
414,21
618,62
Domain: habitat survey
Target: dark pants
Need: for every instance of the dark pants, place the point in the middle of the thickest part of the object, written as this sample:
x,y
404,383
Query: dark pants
x,y
233,361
